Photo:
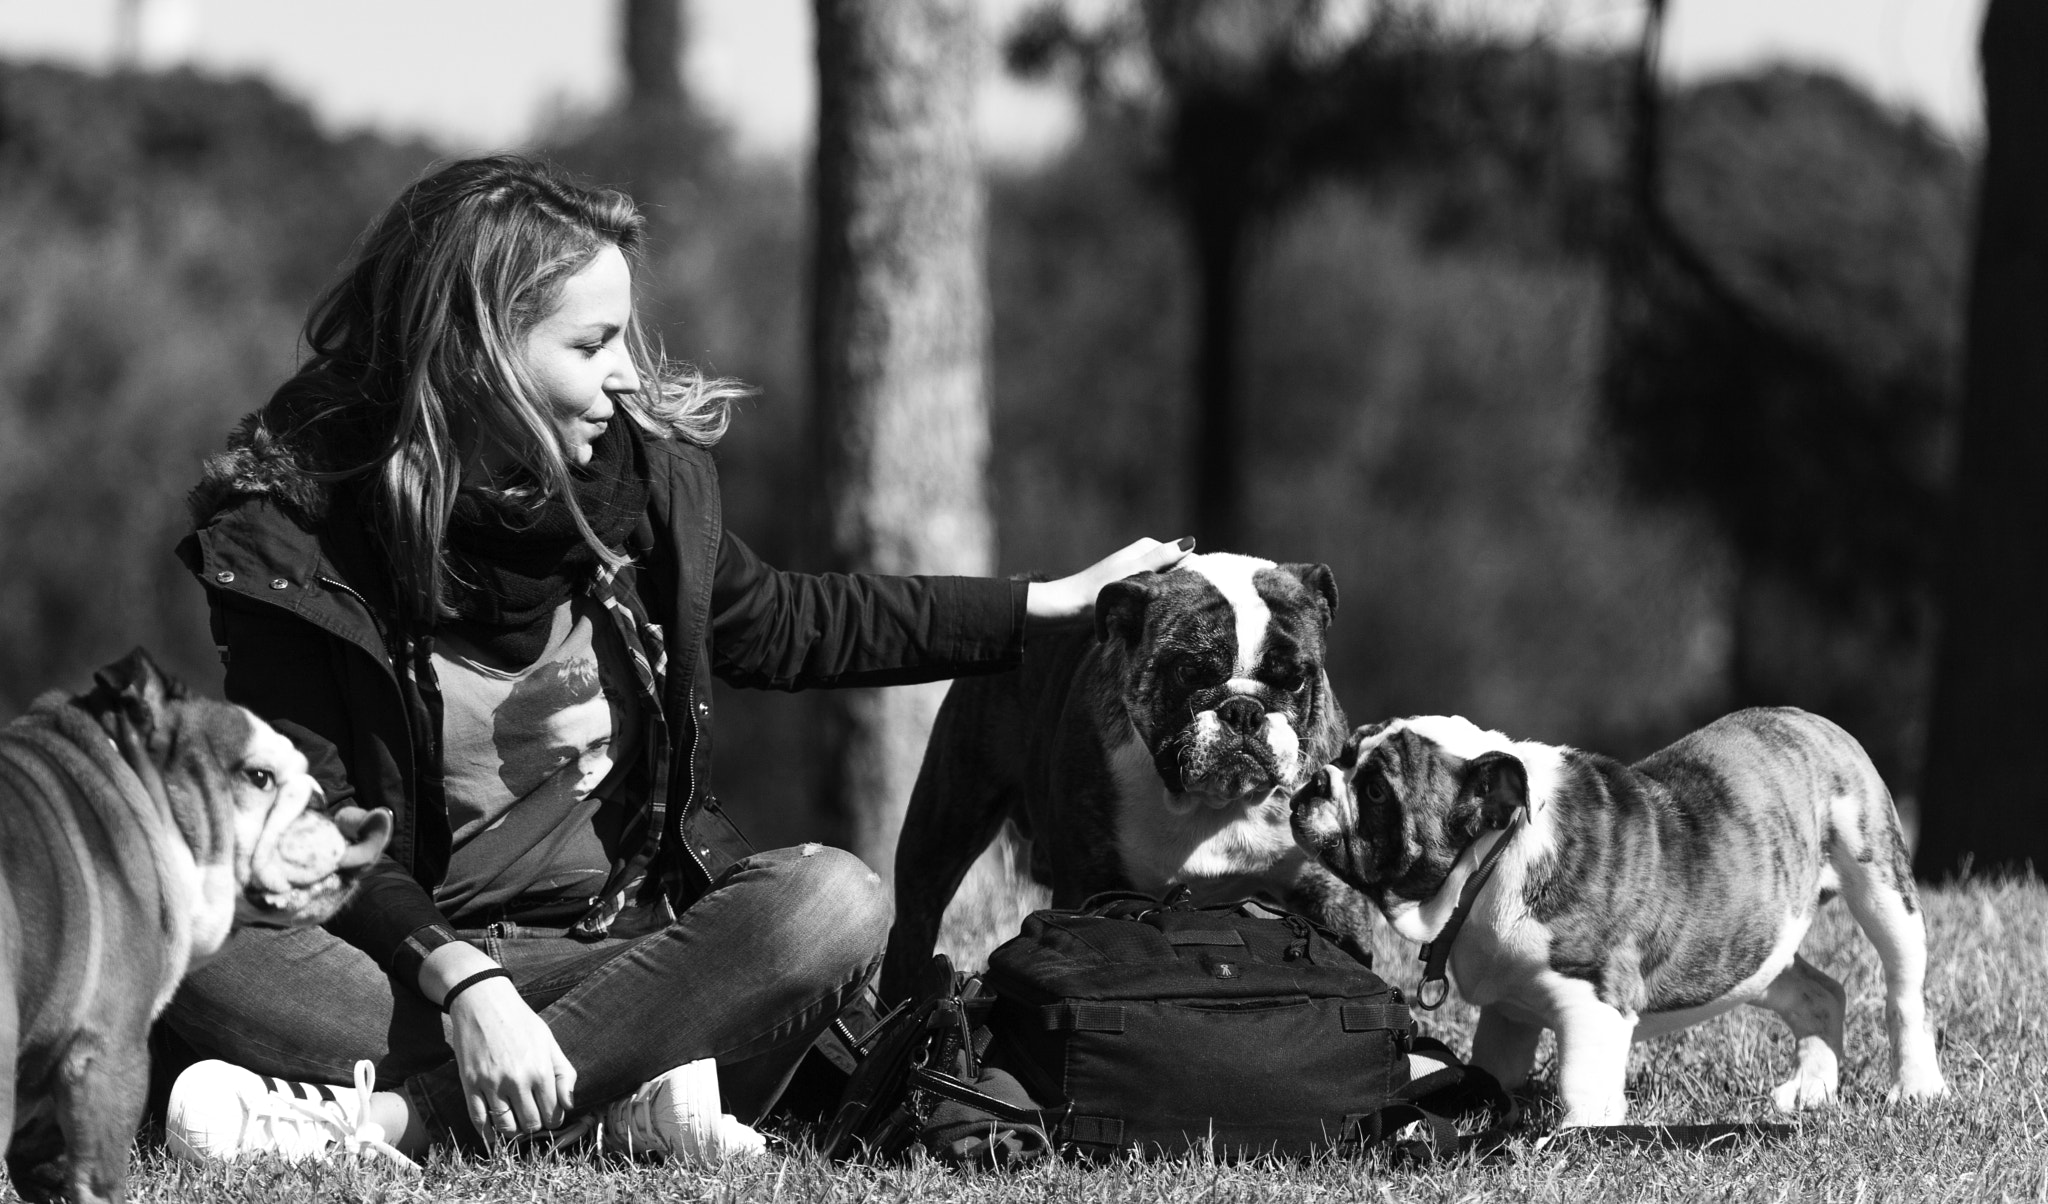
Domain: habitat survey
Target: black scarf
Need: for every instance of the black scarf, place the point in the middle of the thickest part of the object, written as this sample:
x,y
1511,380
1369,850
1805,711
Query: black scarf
x,y
514,562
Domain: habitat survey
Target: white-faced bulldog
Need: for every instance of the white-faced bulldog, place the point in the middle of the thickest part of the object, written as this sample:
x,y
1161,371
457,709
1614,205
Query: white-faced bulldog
x,y
138,826
1633,900
1160,750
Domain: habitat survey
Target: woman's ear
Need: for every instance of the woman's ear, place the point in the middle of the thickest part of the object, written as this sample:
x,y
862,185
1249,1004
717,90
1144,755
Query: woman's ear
x,y
1499,783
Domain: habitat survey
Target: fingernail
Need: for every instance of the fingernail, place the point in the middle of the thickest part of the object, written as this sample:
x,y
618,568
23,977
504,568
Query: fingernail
x,y
1186,543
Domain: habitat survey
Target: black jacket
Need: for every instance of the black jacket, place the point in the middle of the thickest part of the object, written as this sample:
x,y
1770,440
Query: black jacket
x,y
302,612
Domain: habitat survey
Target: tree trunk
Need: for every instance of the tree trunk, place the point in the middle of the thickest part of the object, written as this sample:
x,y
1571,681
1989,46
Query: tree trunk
x,y
899,346
651,34
1984,802
1217,479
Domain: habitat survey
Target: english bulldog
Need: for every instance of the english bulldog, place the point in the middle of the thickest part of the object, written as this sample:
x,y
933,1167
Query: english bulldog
x,y
1632,900
1158,751
137,827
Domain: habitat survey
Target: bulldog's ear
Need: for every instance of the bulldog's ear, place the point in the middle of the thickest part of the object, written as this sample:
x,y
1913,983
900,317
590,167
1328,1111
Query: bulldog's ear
x,y
135,689
1347,758
1500,784
1120,608
1320,582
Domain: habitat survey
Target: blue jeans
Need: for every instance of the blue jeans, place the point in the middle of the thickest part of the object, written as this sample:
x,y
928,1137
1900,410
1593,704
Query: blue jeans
x,y
749,975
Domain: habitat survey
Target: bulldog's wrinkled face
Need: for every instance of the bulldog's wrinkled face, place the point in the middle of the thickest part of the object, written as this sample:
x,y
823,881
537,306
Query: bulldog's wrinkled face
x,y
294,864
1391,814
1220,667
239,793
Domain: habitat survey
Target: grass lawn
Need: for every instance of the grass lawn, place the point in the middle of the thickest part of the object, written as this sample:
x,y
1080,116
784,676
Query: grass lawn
x,y
1988,984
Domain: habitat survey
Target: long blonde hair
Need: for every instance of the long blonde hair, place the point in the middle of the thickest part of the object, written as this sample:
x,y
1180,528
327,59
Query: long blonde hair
x,y
426,320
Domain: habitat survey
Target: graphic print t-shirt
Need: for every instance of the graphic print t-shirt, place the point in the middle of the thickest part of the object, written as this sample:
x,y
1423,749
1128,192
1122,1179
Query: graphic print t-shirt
x,y
526,756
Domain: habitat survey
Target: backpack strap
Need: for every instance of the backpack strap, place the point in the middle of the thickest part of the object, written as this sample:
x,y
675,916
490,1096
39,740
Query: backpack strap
x,y
871,1113
1453,1089
945,1086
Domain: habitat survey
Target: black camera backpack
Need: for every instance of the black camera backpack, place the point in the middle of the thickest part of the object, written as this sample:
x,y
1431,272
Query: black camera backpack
x,y
1137,1025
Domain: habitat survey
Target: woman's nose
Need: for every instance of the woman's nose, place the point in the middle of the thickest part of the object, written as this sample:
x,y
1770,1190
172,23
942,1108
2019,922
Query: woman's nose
x,y
625,378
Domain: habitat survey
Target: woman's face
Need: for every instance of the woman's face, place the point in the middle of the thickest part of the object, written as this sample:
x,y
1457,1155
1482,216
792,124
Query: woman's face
x,y
576,354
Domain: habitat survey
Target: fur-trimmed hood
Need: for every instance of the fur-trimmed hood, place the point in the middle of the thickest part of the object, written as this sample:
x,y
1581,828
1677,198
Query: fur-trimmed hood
x,y
315,427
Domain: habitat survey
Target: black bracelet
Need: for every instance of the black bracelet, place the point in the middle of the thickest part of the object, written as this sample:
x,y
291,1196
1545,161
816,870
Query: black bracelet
x,y
448,1000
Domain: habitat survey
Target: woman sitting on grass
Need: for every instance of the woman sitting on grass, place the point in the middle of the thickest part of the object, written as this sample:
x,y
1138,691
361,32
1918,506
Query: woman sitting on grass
x,y
471,558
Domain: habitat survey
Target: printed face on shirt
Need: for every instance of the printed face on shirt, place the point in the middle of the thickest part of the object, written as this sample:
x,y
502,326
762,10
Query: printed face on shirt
x,y
577,354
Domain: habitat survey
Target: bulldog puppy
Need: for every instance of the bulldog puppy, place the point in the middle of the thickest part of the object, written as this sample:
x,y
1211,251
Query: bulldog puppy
x,y
137,827
1633,900
1158,751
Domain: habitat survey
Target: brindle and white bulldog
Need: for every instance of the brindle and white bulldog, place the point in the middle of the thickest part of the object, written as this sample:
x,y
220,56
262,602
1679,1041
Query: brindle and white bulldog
x,y
1633,900
137,827
1159,751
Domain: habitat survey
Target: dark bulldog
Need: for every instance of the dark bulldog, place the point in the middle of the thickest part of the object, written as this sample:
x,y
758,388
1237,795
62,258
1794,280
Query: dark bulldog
x,y
1159,751
137,827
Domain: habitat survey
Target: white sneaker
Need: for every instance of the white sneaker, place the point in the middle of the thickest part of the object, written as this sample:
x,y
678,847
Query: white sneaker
x,y
677,1115
220,1111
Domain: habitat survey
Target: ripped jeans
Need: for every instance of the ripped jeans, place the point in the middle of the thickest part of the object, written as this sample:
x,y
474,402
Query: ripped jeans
x,y
750,974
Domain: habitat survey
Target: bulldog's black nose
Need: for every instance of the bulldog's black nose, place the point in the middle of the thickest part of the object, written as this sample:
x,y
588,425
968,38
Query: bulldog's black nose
x,y
1241,713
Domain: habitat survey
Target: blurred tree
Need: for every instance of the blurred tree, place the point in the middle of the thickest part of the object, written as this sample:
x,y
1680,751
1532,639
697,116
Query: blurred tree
x,y
652,140
899,339
1983,804
1781,355
652,36
1239,108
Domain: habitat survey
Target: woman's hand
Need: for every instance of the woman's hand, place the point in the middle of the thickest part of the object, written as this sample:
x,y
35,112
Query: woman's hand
x,y
514,1077
1072,599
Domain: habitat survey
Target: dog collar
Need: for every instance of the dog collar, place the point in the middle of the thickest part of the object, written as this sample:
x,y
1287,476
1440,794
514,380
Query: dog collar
x,y
1436,954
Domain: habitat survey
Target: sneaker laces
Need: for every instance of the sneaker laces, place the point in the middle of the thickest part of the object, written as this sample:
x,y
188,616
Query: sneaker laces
x,y
363,1139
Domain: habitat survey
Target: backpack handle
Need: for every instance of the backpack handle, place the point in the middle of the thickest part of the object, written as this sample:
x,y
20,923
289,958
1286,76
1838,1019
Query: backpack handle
x,y
1120,905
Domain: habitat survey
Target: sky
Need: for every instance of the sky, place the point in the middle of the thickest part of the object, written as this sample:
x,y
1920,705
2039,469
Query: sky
x,y
478,74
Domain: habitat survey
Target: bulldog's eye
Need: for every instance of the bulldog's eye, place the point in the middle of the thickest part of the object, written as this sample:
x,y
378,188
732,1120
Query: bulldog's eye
x,y
1187,674
1375,790
261,779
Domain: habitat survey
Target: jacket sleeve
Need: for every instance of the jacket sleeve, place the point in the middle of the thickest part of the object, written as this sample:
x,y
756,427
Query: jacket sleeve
x,y
284,670
793,631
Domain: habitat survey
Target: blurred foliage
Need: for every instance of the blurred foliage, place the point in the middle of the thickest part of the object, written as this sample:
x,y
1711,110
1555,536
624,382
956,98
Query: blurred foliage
x,y
163,236
1786,358
1423,364
1795,363
1233,111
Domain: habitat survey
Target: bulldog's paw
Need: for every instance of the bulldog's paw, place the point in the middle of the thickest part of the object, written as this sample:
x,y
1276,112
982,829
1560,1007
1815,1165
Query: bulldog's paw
x,y
1599,1110
1804,1092
1917,1083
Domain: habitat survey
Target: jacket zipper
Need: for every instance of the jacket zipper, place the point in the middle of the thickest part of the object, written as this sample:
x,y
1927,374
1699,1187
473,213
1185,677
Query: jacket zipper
x,y
391,674
345,588
690,765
